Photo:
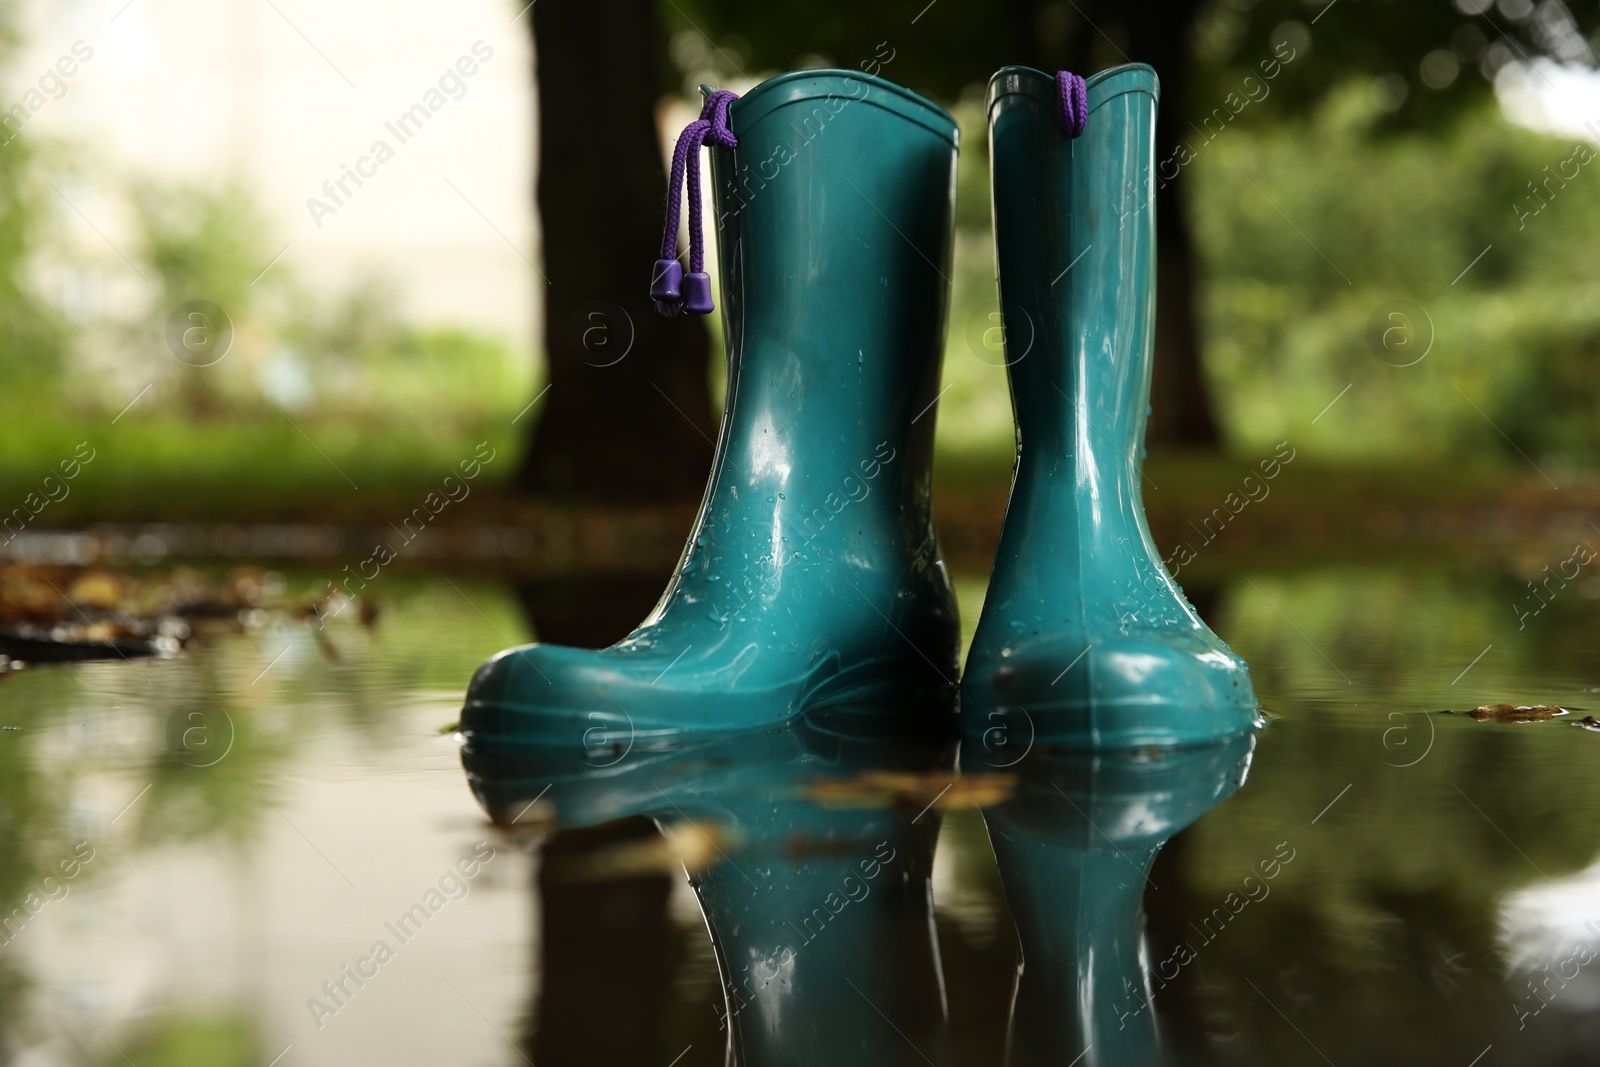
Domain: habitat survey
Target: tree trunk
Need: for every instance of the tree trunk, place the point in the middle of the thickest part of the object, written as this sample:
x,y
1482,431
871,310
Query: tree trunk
x,y
1180,401
1160,34
604,954
628,413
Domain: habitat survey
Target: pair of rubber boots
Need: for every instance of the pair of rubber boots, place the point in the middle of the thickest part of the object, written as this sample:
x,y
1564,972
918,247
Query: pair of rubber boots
x,y
813,578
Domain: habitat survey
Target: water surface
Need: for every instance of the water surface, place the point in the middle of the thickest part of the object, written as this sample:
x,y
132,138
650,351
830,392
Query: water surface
x,y
246,823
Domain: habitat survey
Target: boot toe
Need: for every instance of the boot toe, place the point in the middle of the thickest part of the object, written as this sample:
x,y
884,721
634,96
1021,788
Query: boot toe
x,y
1121,691
535,695
589,703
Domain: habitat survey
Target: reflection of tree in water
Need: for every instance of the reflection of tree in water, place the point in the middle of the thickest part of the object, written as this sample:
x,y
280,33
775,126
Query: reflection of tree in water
x,y
618,981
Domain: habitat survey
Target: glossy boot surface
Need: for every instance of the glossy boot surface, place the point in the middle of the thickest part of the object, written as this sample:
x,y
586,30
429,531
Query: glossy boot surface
x,y
1085,640
813,576
812,874
822,923
1075,844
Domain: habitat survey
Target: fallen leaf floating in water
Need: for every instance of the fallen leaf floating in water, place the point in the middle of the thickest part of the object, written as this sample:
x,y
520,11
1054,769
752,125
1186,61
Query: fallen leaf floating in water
x,y
1512,713
56,612
1588,722
882,789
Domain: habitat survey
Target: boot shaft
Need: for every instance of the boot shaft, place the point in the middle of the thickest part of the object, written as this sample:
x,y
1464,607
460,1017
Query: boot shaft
x,y
1085,639
1074,226
834,222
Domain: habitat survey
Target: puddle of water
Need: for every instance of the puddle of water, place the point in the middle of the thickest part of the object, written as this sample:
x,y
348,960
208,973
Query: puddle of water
x,y
256,849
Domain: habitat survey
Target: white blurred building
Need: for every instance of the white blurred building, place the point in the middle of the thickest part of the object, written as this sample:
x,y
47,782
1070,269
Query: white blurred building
x,y
287,94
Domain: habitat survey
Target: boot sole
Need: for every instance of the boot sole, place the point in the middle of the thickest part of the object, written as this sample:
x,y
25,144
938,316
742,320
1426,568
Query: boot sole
x,y
1005,734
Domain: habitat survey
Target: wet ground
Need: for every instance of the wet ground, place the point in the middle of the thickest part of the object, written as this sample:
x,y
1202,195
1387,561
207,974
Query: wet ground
x,y
264,850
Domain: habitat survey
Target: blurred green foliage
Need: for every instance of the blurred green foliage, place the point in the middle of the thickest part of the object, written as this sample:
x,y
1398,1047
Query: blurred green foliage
x,y
33,334
361,358
345,355
1310,231
296,413
194,1040
1426,62
201,241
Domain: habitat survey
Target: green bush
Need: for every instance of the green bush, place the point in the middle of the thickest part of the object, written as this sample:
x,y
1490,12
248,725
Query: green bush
x,y
1307,231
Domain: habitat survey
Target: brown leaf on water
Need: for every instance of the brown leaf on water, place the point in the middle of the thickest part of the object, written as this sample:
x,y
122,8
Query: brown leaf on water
x,y
1512,713
63,612
1588,722
97,589
882,789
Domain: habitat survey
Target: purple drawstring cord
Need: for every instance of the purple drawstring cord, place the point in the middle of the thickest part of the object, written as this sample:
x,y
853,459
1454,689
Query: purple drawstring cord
x,y
670,288
1074,102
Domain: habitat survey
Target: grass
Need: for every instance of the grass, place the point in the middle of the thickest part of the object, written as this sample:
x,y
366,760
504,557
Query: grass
x,y
160,468
166,469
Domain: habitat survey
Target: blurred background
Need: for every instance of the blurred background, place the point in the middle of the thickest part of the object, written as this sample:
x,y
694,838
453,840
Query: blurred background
x,y
1389,198
270,271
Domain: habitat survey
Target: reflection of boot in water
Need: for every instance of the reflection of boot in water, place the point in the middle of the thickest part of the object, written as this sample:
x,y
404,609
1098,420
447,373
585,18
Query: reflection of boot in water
x,y
823,928
1083,630
811,865
1075,845
605,954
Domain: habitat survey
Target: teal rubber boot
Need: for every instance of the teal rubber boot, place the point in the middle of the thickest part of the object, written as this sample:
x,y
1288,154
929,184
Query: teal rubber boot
x,y
1085,640
1075,844
814,878
813,576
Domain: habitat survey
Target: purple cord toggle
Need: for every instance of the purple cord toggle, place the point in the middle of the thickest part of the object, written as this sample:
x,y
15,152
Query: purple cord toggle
x,y
670,287
1074,103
